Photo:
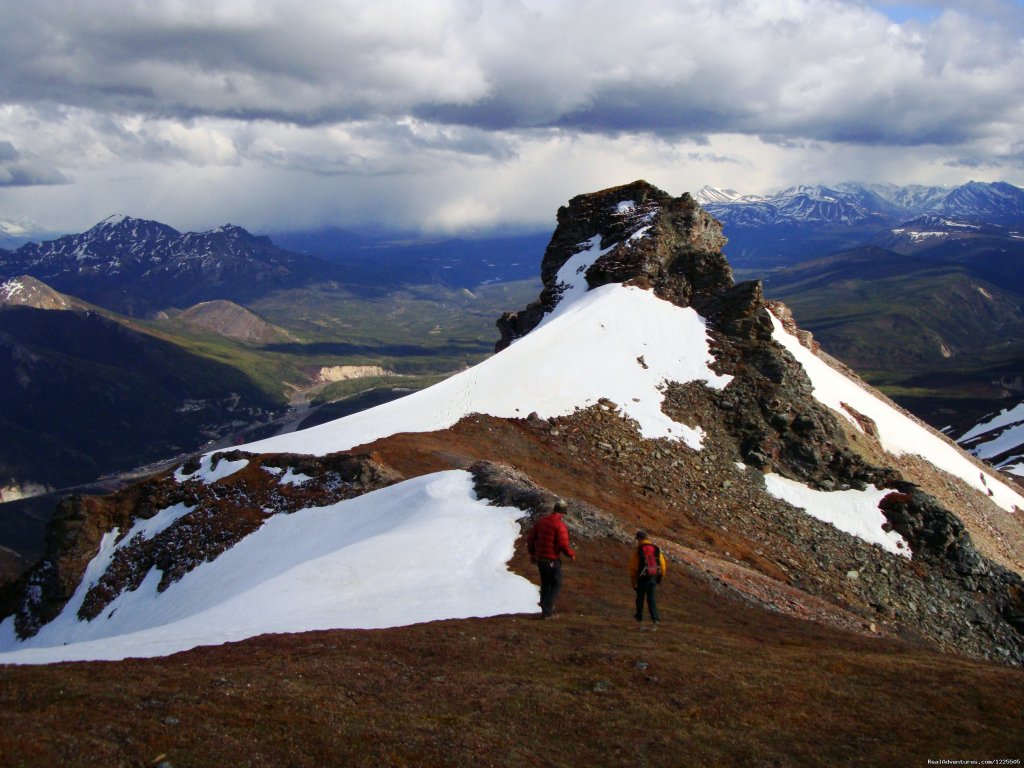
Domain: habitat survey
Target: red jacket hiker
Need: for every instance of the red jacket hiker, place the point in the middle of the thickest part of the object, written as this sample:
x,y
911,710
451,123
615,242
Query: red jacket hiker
x,y
549,539
546,541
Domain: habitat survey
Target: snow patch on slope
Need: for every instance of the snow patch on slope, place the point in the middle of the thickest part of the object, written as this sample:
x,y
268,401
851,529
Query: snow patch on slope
x,y
897,433
1012,418
10,290
210,474
999,440
318,568
853,512
616,342
158,523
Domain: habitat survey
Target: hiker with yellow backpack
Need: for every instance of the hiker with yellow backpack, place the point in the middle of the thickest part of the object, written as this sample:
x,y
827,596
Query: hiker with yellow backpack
x,y
647,568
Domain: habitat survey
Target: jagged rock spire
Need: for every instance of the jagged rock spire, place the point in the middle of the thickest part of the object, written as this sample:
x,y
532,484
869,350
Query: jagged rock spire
x,y
648,237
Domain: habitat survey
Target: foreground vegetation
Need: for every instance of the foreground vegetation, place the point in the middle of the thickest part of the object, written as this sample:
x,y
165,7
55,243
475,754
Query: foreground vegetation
x,y
720,684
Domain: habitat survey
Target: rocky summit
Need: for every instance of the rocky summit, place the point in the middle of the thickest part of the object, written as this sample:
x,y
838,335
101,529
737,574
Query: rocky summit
x,y
648,239
769,472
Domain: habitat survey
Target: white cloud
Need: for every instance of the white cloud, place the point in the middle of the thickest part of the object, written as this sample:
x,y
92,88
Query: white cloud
x,y
513,100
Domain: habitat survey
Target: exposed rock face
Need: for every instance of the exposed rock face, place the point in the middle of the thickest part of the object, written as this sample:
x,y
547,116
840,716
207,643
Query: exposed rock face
x,y
348,372
681,256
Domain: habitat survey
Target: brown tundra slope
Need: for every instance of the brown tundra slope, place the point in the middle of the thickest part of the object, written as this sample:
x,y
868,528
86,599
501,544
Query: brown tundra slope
x,y
785,641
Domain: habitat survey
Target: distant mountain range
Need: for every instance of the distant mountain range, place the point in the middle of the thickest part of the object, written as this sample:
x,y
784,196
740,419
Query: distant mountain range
x,y
920,289
857,204
139,267
136,266
808,222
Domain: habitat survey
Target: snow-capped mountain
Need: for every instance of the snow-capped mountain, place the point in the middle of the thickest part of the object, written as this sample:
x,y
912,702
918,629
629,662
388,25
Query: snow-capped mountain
x,y
999,440
710,195
931,229
999,201
643,386
134,265
899,199
854,204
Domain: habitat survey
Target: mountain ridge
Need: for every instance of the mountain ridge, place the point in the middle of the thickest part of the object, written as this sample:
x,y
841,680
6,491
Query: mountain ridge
x,y
866,205
724,430
771,602
27,291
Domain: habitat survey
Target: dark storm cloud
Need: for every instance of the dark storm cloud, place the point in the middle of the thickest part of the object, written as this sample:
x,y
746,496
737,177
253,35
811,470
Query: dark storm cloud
x,y
825,70
459,113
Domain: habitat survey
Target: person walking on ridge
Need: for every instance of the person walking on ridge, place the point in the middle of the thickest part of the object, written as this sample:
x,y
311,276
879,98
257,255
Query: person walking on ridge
x,y
547,540
647,567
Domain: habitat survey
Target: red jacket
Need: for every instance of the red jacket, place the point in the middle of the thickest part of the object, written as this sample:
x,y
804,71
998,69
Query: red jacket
x,y
549,538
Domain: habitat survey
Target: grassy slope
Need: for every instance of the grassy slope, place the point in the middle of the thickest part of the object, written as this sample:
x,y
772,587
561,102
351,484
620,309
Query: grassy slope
x,y
340,390
721,684
421,329
273,373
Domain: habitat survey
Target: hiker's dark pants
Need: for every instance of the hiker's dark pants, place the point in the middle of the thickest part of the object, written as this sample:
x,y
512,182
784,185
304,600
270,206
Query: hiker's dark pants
x,y
646,586
550,584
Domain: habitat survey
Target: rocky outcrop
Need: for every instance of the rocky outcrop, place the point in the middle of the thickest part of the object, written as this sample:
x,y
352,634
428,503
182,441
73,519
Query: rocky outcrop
x,y
669,244
674,247
349,372
508,487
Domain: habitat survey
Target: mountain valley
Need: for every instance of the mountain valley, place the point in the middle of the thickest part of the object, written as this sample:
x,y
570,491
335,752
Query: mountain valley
x,y
873,306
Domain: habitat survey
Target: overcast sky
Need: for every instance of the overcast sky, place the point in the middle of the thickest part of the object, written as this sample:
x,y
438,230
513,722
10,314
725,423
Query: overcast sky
x,y
464,115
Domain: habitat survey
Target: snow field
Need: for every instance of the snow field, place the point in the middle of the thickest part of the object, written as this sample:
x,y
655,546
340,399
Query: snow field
x,y
422,550
1010,434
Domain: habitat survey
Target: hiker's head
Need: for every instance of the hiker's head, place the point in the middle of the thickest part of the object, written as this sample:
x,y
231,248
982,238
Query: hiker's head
x,y
559,506
640,535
